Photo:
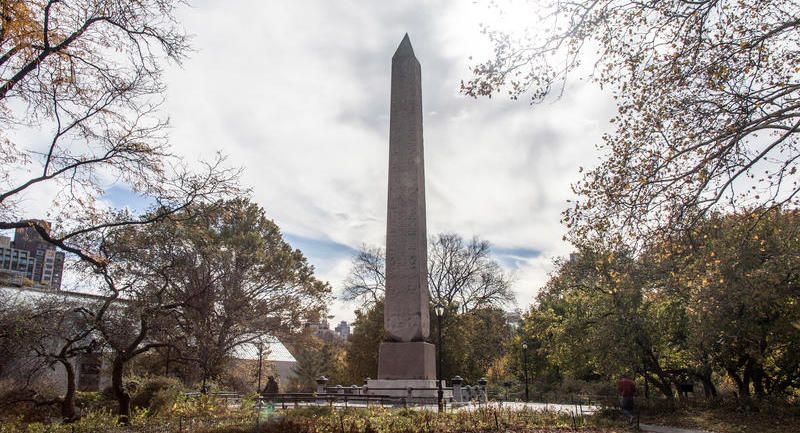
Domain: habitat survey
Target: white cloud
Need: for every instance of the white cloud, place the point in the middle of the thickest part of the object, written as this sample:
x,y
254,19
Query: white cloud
x,y
298,94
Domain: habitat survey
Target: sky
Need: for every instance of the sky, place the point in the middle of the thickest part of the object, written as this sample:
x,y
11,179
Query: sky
x,y
297,95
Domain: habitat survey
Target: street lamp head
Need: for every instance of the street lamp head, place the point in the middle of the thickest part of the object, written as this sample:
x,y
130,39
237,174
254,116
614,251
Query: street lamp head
x,y
439,309
525,346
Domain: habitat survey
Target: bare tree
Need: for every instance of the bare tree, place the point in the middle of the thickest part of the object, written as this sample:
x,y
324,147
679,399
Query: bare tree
x,y
87,75
80,98
44,331
708,98
463,273
460,273
366,281
131,328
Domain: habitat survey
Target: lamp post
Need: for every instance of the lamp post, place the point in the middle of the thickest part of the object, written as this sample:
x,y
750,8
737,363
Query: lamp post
x,y
525,367
439,309
260,360
203,387
166,366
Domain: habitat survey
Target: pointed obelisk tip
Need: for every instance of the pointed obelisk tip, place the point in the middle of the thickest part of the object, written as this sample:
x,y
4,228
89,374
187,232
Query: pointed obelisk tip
x,y
404,49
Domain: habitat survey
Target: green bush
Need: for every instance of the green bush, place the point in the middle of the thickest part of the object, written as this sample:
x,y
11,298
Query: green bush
x,y
157,393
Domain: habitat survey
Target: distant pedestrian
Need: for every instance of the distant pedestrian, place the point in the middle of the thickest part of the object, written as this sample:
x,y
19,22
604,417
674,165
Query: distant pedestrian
x,y
626,389
272,386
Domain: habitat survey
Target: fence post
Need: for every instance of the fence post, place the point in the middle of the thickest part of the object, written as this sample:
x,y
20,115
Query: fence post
x,y
456,382
321,381
484,395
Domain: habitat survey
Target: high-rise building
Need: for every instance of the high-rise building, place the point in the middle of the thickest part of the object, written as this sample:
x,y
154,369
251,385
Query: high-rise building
x,y
15,264
343,330
47,263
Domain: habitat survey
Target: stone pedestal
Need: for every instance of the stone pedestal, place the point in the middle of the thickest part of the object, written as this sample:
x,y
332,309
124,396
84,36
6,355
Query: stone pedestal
x,y
414,360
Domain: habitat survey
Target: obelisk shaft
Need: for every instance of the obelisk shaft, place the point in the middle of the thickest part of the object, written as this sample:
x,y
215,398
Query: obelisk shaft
x,y
405,358
406,316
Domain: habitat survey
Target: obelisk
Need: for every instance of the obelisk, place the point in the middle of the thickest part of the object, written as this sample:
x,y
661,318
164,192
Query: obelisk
x,y
405,355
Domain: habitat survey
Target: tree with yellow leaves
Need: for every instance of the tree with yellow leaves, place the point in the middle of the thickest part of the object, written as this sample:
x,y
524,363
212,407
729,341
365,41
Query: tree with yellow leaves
x,y
708,101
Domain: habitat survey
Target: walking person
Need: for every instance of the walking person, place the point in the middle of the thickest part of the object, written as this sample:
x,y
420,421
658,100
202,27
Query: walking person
x,y
626,389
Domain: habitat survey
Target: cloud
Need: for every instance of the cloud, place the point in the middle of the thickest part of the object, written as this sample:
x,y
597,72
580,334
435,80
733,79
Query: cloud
x,y
297,93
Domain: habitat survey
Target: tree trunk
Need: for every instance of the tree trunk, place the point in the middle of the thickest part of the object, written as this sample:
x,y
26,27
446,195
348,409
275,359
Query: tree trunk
x,y
758,380
68,411
123,399
709,389
663,385
742,383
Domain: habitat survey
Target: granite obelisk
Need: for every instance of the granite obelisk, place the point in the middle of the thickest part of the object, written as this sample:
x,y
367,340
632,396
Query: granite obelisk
x,y
405,355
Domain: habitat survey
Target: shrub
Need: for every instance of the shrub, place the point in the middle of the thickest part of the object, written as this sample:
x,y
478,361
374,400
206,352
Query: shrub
x,y
157,393
202,406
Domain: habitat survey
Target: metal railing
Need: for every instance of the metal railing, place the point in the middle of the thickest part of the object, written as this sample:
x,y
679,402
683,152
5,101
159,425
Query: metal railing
x,y
285,400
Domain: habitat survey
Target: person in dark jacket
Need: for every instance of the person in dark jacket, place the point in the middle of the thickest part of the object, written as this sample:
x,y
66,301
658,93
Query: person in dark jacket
x,y
272,386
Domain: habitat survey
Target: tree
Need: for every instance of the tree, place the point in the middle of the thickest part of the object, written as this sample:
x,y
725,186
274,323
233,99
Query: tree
x,y
707,94
466,337
595,311
204,281
237,278
87,75
367,279
364,343
311,364
130,328
741,284
472,342
720,302
42,332
459,273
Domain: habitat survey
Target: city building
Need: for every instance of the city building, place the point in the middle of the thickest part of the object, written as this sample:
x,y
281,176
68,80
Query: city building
x,y
514,319
322,331
15,265
29,260
343,330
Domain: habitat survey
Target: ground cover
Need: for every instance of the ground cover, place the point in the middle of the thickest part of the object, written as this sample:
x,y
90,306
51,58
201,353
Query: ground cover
x,y
726,421
328,420
379,420
731,417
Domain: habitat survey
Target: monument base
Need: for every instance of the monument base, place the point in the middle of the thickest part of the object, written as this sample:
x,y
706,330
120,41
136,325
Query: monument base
x,y
415,360
413,389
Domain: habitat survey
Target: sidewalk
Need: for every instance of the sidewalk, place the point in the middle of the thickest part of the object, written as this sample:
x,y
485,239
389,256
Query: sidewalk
x,y
576,409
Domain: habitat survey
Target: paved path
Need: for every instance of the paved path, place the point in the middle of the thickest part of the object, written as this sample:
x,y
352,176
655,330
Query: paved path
x,y
516,405
665,429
